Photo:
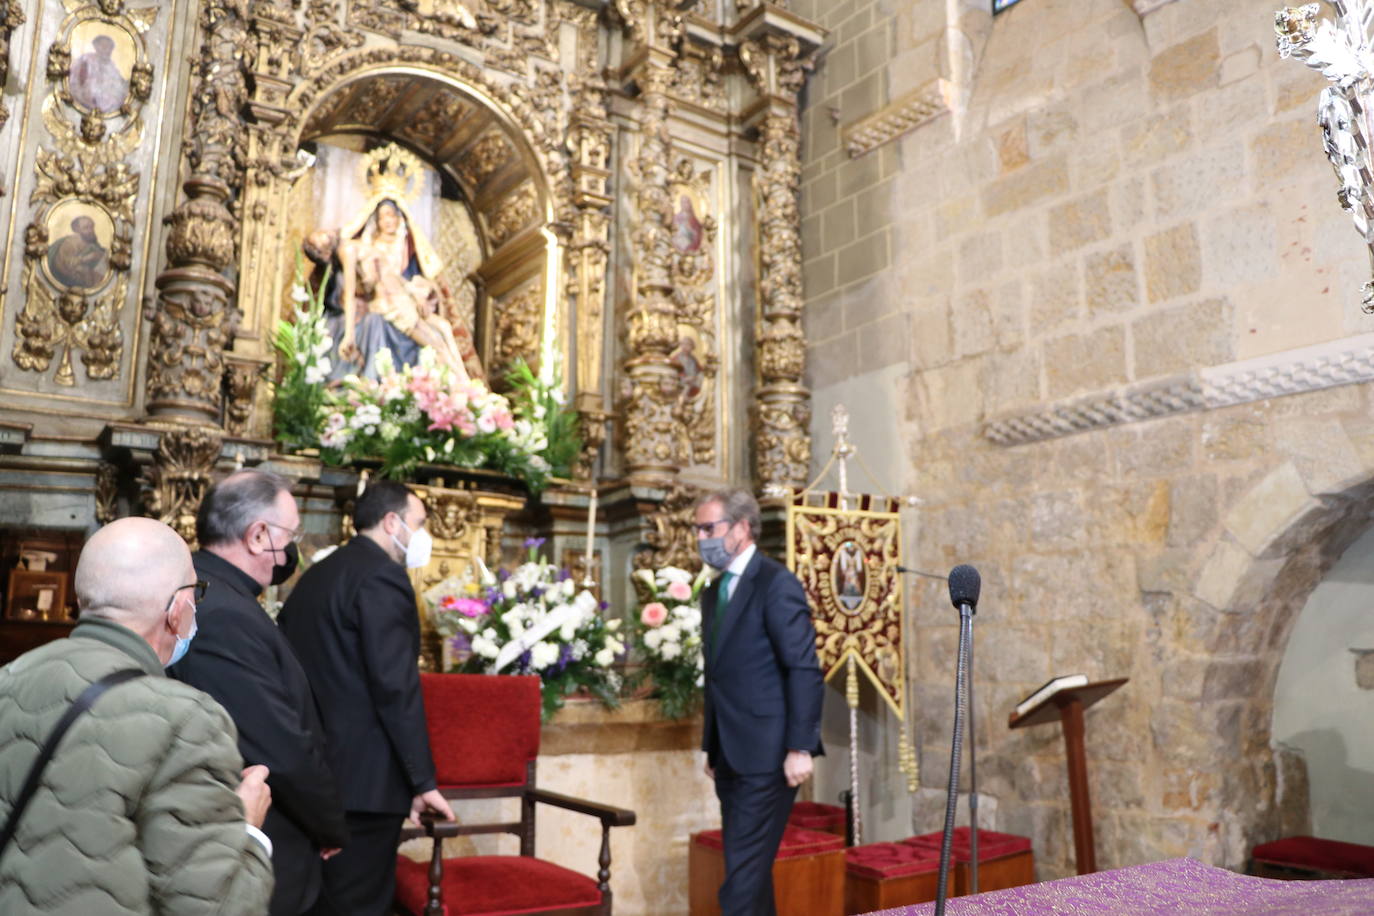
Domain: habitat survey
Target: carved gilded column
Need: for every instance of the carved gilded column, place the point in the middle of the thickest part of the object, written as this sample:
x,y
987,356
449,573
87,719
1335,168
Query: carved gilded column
x,y
193,317
589,143
782,407
11,18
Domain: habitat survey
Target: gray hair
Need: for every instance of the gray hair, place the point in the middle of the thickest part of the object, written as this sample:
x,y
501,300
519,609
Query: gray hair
x,y
738,505
236,502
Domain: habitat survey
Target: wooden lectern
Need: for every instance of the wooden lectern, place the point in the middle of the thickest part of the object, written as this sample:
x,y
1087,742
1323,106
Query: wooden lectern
x,y
1067,706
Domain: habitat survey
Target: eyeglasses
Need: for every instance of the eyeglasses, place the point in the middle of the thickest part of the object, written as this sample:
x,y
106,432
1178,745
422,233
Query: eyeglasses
x,y
706,528
296,533
201,587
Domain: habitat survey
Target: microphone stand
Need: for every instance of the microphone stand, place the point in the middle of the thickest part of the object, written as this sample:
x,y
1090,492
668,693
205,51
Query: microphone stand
x,y
963,703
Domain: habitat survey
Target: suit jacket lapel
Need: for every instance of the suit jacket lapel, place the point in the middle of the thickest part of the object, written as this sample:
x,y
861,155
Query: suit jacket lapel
x,y
744,592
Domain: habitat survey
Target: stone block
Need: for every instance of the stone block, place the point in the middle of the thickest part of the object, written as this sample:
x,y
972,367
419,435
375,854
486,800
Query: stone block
x,y
823,317
1157,137
1190,185
838,226
1286,149
832,361
841,68
1173,263
1233,435
820,193
1009,315
874,208
811,235
1080,222
1186,68
1193,512
1055,298
1027,186
980,257
1224,569
949,397
1013,150
972,321
883,342
1128,202
875,46
1240,65
1297,89
1078,363
1241,247
1263,513
856,175
864,96
1231,112
1364,668
1183,338
863,258
1323,453
930,337
1110,281
1012,380
818,275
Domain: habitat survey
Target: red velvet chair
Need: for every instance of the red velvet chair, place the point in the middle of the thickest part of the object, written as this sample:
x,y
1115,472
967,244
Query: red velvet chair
x,y
484,735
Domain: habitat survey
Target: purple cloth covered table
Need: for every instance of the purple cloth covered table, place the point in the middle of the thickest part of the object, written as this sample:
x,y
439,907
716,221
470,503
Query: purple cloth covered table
x,y
1178,887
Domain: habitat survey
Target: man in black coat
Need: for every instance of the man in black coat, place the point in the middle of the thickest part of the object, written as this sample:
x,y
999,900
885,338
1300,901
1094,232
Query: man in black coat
x,y
763,695
247,528
352,620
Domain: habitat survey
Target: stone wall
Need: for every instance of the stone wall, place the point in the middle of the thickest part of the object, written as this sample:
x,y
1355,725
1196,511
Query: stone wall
x,y
1114,200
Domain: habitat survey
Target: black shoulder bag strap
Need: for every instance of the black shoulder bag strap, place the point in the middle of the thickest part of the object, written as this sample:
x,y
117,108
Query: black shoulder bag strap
x,y
80,705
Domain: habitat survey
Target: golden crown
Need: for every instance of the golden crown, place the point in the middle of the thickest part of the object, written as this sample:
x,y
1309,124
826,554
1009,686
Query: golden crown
x,y
391,171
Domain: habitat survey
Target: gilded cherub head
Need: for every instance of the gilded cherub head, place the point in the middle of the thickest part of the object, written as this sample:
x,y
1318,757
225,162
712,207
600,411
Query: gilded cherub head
x,y
1295,27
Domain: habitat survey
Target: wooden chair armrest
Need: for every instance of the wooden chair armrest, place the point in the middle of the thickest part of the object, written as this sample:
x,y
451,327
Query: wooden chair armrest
x,y
439,829
608,815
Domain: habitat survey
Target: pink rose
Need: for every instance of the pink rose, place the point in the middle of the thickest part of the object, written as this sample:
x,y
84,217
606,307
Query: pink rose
x,y
654,614
679,591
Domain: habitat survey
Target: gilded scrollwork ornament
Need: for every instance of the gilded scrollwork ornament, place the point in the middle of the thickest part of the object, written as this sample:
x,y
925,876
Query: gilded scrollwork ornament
x,y
452,515
517,326
11,18
176,481
106,492
672,537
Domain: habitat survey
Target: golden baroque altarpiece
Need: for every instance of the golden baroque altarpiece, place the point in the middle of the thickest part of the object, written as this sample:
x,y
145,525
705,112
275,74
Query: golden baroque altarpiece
x,y
630,171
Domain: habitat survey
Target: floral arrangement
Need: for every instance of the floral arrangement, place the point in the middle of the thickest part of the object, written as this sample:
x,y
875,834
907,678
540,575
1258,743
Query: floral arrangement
x,y
533,620
415,414
668,636
304,344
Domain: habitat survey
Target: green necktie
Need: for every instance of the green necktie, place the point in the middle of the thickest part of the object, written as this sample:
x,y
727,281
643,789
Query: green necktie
x,y
722,599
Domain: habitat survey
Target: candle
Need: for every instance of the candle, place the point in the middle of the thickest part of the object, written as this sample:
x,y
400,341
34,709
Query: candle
x,y
591,538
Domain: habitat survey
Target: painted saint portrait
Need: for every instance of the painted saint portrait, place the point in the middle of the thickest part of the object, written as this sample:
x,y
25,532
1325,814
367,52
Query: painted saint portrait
x,y
849,576
79,254
102,62
687,229
686,358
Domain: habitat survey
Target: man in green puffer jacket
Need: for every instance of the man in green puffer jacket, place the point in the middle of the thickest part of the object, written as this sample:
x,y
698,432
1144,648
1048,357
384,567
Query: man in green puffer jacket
x,y
143,808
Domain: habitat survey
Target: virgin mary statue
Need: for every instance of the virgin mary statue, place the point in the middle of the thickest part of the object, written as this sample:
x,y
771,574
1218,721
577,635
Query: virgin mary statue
x,y
390,293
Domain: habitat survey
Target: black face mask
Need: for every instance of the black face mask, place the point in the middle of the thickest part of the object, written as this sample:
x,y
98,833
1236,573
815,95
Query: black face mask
x,y
283,571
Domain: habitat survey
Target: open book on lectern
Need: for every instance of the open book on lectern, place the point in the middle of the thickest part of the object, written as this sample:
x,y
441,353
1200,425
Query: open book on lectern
x,y
1050,688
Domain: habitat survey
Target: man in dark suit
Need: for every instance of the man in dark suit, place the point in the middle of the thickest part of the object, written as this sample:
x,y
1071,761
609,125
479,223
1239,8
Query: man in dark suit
x,y
247,528
763,695
353,623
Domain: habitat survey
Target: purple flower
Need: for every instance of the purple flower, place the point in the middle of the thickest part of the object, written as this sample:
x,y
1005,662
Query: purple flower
x,y
564,575
534,543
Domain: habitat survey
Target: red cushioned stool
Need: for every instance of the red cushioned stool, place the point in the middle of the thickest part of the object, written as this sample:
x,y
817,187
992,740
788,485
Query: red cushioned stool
x,y
1307,858
816,816
1004,859
808,873
879,876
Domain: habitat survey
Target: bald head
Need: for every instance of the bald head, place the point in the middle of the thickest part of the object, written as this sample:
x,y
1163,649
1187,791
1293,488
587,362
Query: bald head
x,y
129,569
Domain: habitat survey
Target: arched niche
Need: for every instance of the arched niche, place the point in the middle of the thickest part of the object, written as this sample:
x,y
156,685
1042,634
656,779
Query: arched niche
x,y
491,178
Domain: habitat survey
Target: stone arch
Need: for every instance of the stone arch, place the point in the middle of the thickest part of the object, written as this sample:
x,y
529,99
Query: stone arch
x,y
1279,540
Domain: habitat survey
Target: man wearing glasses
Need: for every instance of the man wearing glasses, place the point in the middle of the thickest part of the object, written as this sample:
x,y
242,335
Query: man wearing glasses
x,y
763,695
248,528
144,806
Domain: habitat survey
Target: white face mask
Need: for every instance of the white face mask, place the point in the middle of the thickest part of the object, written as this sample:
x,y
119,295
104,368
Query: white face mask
x,y
418,550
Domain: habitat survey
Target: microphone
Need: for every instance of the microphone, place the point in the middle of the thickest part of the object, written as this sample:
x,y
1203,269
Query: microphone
x,y
917,572
964,585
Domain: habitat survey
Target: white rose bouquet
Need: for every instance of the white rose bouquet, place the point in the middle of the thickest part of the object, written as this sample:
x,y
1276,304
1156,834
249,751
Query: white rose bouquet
x,y
668,636
533,620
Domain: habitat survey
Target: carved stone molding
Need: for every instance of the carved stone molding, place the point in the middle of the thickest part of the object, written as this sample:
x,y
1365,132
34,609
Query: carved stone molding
x,y
192,320
1299,371
672,539
175,483
901,117
1144,7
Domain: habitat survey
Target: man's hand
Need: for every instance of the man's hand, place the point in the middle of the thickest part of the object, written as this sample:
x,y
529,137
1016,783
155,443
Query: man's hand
x,y
710,771
432,800
797,767
254,794
330,852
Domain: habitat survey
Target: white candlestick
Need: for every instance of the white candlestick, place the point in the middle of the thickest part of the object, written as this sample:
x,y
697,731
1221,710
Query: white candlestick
x,y
591,539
